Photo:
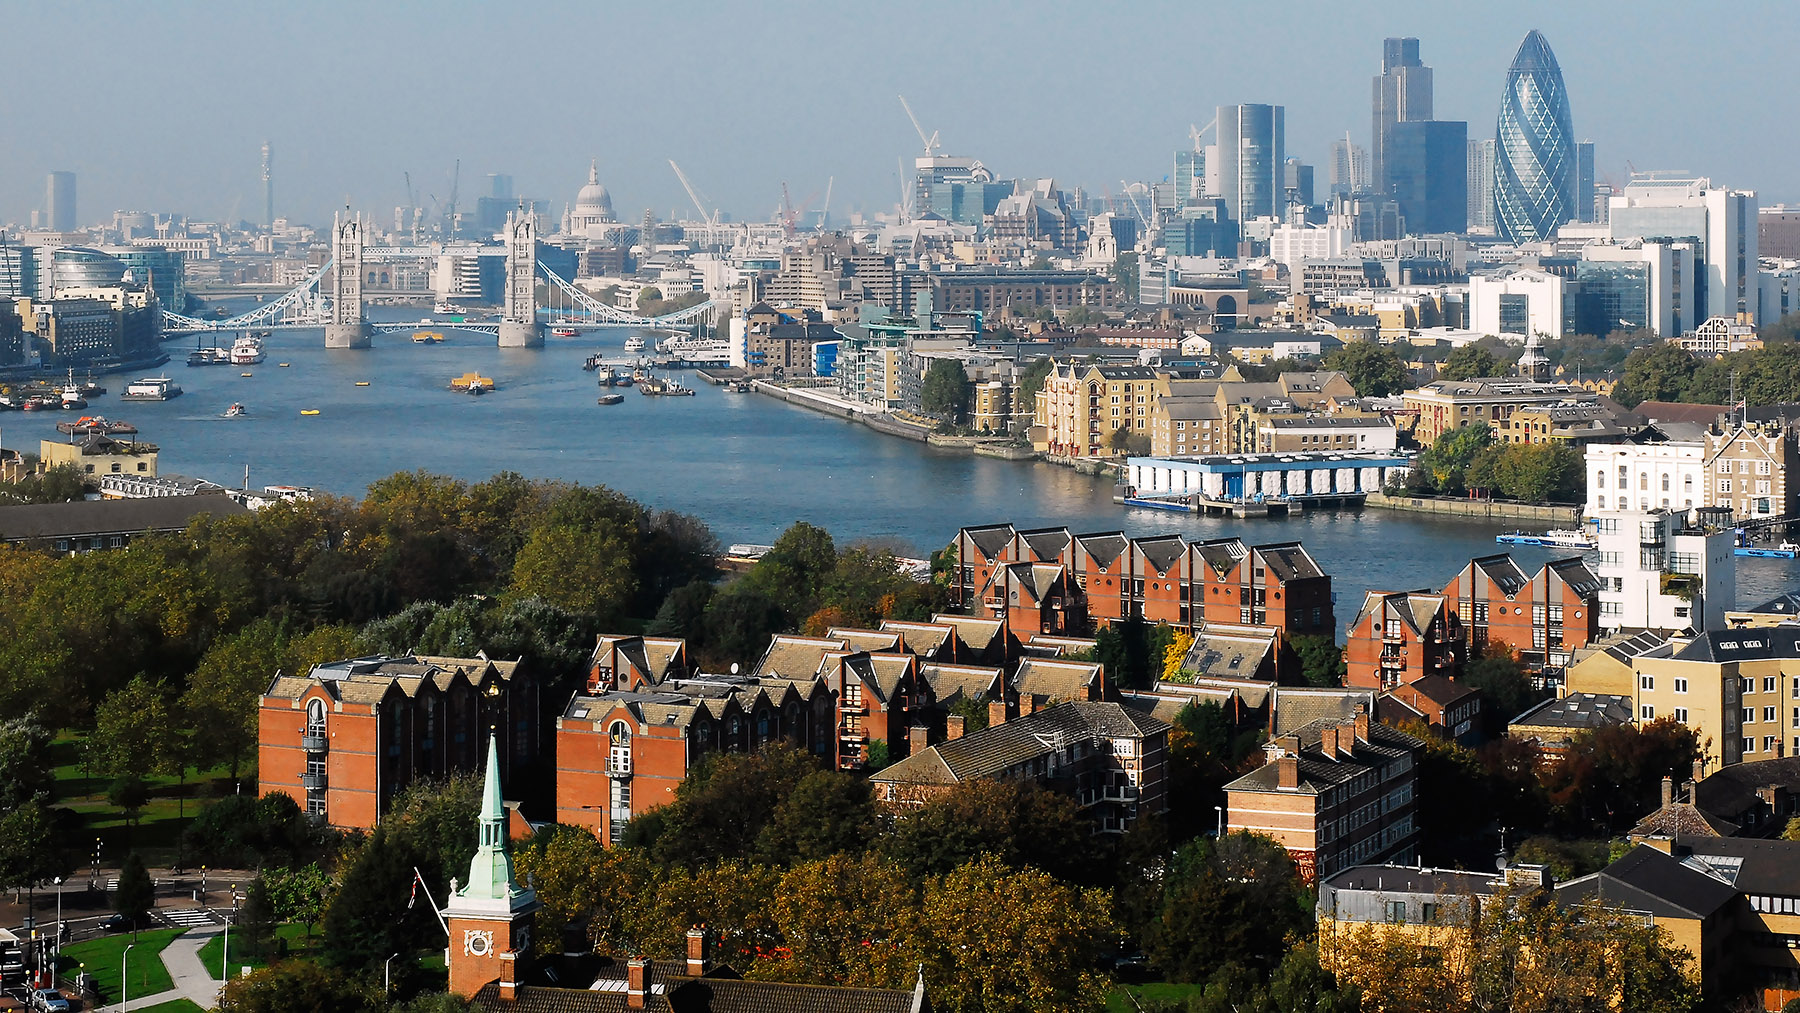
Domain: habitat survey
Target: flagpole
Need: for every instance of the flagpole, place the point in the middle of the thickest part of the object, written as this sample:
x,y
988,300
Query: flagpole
x,y
419,879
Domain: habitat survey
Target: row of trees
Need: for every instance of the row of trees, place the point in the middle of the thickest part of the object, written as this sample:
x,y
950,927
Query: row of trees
x,y
1667,372
1466,459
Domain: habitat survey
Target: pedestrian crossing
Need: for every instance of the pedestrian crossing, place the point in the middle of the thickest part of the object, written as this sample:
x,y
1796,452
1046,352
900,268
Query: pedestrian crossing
x,y
189,917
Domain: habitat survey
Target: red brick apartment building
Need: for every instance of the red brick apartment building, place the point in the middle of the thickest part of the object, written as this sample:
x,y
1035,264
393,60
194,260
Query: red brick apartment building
x,y
1051,581
1334,793
348,736
1399,637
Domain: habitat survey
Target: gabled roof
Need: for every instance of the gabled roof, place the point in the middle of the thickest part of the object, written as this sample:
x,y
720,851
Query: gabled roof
x,y
1104,547
1503,571
971,682
1645,879
1576,712
794,657
1437,689
1222,554
883,673
1319,772
1299,706
997,749
979,633
1226,655
990,540
1162,551
1682,819
1754,644
1055,680
1750,865
1288,561
927,640
1785,604
866,640
1732,789
1041,579
1046,544
1575,573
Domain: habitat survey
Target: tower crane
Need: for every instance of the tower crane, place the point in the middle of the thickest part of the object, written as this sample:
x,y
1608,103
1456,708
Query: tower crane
x,y
931,143
1195,132
694,195
412,208
455,188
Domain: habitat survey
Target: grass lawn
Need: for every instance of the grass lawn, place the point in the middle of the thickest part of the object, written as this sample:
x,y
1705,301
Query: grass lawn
x,y
101,958
1119,999
174,1006
157,834
214,950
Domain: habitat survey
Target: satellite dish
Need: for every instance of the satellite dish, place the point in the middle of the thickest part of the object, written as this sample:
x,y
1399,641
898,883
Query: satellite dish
x,y
1500,861
734,668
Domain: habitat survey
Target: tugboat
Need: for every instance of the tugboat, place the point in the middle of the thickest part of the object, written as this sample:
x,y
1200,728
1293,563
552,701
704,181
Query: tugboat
x,y
235,411
247,351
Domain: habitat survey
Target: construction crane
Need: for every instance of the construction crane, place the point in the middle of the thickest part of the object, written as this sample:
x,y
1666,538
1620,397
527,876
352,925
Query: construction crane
x,y
931,143
1195,132
825,209
1132,197
412,208
455,188
694,195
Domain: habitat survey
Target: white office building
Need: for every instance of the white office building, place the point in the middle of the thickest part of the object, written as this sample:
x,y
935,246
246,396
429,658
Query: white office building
x,y
1519,302
1672,300
1658,571
1723,221
1641,477
1290,245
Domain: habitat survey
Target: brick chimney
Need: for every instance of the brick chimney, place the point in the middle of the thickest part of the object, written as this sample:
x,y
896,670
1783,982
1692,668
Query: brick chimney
x,y
1700,770
637,985
918,738
996,712
1362,722
1668,791
509,985
1328,742
1287,772
697,964
953,727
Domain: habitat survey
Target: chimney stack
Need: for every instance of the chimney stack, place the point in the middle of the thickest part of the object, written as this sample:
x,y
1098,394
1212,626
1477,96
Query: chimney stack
x,y
1668,791
917,739
953,727
636,982
697,964
509,985
1287,772
996,712
1362,722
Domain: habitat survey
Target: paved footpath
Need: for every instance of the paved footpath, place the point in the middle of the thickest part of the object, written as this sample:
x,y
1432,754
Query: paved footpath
x,y
192,980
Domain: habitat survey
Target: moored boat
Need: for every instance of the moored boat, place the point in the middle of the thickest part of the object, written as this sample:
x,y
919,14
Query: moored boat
x,y
565,332
612,399
96,424
247,350
634,345
151,388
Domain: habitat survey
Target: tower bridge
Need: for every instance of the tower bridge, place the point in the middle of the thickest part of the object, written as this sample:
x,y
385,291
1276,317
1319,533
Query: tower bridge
x,y
332,297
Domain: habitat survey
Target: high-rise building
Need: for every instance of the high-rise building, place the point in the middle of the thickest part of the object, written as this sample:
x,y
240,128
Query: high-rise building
x,y
59,201
1427,168
268,177
500,185
1297,183
1481,184
1402,93
1584,181
1534,147
1349,167
1189,176
1721,220
1252,156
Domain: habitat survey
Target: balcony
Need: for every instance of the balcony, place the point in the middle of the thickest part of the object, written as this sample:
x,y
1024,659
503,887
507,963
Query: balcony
x,y
994,601
618,766
315,742
313,782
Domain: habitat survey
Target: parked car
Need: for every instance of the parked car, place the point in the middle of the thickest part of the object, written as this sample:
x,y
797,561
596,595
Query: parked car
x,y
50,1001
117,923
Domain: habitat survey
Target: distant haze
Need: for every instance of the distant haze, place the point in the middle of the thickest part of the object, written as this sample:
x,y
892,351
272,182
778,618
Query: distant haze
x,y
164,107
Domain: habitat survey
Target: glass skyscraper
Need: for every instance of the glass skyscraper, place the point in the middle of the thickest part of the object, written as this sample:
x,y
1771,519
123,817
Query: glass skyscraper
x,y
1252,160
1534,157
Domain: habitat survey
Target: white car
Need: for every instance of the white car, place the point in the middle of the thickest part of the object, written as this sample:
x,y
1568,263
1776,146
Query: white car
x,y
50,1001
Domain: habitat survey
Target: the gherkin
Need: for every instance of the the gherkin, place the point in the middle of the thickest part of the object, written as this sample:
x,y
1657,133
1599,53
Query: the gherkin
x,y
1534,147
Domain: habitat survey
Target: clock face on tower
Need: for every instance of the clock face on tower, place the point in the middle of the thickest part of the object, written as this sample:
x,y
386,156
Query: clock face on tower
x,y
477,942
522,937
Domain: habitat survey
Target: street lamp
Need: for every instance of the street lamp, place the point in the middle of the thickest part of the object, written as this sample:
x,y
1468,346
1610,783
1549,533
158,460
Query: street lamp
x,y
384,973
225,958
1220,810
54,964
125,979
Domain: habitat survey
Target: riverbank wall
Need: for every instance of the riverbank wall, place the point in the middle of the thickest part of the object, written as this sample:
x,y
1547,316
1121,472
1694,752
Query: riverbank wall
x,y
1481,509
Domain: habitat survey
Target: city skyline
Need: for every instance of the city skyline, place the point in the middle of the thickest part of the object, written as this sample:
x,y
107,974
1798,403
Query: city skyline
x,y
353,99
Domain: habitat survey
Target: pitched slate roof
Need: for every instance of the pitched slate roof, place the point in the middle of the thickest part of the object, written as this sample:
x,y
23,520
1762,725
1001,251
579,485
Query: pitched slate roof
x,y
1645,879
1104,547
1288,561
927,640
1049,679
1577,711
1785,604
1743,645
996,749
793,657
711,994
866,640
1732,789
991,539
110,516
1750,865
1162,551
1046,544
1503,571
1319,772
1682,819
1222,554
973,682
1299,706
980,634
1217,654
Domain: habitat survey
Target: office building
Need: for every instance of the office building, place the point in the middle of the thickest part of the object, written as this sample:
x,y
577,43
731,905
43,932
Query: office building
x,y
1426,162
1189,177
1402,94
1480,170
59,201
1584,181
1349,167
1534,147
1297,181
1251,160
1778,231
1722,221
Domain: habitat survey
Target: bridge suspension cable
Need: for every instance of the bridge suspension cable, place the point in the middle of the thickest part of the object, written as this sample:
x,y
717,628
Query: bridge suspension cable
x,y
706,312
300,307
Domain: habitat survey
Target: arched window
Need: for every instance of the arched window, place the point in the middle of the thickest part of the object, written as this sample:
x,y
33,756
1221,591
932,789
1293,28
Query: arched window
x,y
1624,479
1665,483
618,749
1600,479
1643,480
315,717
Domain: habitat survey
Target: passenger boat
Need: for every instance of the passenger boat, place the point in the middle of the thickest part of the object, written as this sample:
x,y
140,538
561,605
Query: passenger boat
x,y
362,383
209,356
427,337
612,399
472,383
247,350
696,350
235,411
565,332
151,388
1786,550
634,345
1567,537
96,424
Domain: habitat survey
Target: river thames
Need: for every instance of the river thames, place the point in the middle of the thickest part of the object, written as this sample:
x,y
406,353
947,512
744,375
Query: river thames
x,y
747,464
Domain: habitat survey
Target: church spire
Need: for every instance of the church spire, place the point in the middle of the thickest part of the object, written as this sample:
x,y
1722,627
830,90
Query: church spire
x,y
490,871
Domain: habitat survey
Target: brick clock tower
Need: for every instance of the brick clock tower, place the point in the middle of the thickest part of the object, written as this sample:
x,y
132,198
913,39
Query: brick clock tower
x,y
489,917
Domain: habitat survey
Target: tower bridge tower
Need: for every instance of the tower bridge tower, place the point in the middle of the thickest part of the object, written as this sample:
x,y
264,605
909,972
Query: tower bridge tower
x,y
519,327
347,328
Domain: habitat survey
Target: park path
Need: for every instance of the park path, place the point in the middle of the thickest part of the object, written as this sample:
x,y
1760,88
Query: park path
x,y
192,980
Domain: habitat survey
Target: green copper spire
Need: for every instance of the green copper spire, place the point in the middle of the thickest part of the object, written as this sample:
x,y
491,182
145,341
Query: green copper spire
x,y
491,872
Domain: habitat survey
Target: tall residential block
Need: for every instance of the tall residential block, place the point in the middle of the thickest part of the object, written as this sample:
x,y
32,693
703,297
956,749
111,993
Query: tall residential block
x,y
1401,93
59,201
1534,141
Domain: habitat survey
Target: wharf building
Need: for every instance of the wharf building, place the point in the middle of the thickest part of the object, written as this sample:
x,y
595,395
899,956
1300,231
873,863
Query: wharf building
x,y
647,715
1739,467
347,737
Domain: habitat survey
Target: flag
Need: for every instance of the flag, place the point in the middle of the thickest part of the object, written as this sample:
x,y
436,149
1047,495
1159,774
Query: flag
x,y
414,896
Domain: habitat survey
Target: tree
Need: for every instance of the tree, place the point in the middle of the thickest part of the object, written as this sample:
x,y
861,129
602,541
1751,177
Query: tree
x,y
739,621
1233,901
1373,370
1612,775
297,894
1034,947
135,731
945,389
1451,455
136,894
1505,690
221,696
256,923
1321,659
1791,832
683,613
794,570
1031,380
1119,440
1021,824
1133,651
244,831
33,845
723,805
371,915
583,570
63,483
130,794
848,920
1468,362
1125,274
297,986
827,813
25,769
1659,372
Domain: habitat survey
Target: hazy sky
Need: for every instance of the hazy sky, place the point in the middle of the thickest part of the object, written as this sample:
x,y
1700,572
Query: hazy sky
x,y
164,106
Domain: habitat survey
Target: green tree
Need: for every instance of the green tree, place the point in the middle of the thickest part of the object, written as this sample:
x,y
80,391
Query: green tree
x,y
33,845
945,389
739,622
135,731
1659,372
847,920
1470,361
221,695
1448,459
297,986
723,805
297,894
130,794
683,613
256,923
370,916
1020,823
1119,440
1132,651
1321,659
63,483
1233,901
794,570
1034,948
587,571
1125,274
1031,380
136,894
25,768
1505,690
827,813
1374,370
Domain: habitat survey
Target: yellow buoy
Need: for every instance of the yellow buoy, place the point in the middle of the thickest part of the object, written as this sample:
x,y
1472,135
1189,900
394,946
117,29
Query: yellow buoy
x,y
309,411
362,383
